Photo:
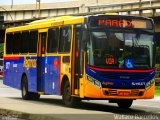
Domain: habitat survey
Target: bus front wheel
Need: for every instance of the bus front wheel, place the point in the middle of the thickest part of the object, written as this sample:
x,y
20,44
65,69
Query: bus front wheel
x,y
124,103
68,99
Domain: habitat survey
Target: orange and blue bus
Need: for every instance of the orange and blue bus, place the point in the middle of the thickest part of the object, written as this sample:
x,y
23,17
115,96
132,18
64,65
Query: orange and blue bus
x,y
104,57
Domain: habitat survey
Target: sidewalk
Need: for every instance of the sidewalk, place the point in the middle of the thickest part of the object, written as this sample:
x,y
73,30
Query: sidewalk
x,y
156,98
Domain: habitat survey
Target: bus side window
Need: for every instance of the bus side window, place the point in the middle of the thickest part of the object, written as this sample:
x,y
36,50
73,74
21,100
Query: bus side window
x,y
52,44
43,42
65,39
9,43
25,42
33,38
16,43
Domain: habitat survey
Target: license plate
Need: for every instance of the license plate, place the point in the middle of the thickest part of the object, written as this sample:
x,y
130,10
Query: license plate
x,y
124,93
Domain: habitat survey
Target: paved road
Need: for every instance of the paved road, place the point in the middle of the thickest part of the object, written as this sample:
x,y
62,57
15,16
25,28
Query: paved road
x,y
52,107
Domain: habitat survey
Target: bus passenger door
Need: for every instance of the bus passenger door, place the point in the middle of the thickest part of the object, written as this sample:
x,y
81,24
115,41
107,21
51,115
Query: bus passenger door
x,y
78,62
41,60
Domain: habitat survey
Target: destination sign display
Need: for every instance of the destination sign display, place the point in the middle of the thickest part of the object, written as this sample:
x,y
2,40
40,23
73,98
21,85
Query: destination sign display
x,y
120,22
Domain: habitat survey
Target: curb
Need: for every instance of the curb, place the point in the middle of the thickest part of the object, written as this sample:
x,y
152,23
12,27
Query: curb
x,y
156,97
6,114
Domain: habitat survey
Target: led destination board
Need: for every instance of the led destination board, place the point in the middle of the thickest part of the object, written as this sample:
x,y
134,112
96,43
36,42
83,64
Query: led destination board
x,y
121,22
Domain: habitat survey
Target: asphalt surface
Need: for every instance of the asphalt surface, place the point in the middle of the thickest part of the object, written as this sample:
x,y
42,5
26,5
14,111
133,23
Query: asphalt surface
x,y
51,108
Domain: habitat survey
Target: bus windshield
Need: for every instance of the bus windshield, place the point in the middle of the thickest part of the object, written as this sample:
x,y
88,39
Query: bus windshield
x,y
120,49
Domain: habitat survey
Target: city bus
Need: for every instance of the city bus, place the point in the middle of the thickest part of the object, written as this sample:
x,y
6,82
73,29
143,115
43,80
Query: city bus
x,y
90,57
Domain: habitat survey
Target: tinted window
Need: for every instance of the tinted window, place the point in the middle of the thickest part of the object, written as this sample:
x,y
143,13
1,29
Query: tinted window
x,y
33,41
9,43
25,42
16,43
65,39
53,35
22,42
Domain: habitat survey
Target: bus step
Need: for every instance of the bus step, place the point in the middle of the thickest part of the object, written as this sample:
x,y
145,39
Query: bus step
x,y
41,93
76,91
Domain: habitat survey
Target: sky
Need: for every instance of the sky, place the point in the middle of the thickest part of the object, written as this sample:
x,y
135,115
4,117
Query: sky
x,y
15,2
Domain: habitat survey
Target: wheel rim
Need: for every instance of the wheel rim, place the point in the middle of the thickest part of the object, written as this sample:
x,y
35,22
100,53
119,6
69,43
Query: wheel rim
x,y
67,98
67,94
23,90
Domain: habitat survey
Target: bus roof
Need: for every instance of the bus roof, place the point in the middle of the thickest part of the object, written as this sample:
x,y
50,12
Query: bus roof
x,y
49,22
58,21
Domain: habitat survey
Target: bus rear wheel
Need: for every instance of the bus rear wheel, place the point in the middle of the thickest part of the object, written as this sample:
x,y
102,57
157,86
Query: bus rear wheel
x,y
68,99
124,103
24,87
26,95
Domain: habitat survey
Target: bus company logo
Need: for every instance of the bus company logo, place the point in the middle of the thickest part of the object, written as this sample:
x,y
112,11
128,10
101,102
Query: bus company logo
x,y
124,77
138,83
30,63
107,83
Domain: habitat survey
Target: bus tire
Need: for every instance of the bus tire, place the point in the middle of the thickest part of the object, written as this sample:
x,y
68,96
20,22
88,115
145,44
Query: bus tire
x,y
124,103
69,100
24,88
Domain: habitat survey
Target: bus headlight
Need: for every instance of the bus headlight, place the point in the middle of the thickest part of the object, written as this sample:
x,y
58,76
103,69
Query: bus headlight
x,y
149,84
94,81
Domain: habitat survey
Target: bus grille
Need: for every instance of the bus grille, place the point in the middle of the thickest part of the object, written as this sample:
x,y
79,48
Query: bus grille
x,y
122,76
114,92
